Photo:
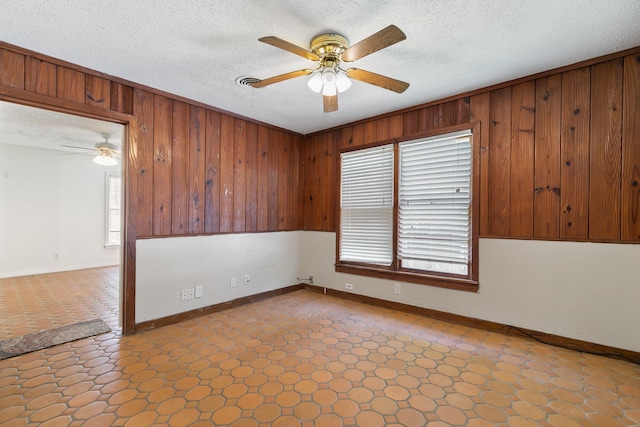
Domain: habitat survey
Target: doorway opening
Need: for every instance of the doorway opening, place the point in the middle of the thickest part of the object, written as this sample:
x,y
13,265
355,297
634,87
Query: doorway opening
x,y
61,224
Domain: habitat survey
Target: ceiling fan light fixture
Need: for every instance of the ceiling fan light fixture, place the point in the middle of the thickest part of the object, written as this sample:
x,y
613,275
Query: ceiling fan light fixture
x,y
329,82
315,83
342,82
105,159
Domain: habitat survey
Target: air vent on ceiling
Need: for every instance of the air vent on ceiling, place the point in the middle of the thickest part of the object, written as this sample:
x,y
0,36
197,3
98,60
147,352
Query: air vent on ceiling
x,y
246,81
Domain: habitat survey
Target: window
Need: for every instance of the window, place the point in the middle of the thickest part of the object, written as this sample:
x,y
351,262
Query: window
x,y
113,204
367,206
407,210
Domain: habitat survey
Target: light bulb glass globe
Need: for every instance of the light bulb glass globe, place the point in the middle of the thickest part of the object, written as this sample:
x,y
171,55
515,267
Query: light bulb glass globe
x,y
329,82
315,83
105,160
342,82
329,90
329,77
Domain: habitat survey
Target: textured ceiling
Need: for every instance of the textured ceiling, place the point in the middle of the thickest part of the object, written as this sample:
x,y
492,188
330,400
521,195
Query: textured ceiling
x,y
197,48
50,130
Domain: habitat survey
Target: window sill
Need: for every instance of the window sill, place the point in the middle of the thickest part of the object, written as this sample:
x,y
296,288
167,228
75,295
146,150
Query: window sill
x,y
404,276
112,246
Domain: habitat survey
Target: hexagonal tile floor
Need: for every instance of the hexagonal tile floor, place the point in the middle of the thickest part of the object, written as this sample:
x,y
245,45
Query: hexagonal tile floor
x,y
29,304
307,359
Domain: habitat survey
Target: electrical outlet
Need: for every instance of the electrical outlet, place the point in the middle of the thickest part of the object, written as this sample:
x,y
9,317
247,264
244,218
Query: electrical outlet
x,y
199,291
247,279
192,293
396,288
348,286
233,282
185,295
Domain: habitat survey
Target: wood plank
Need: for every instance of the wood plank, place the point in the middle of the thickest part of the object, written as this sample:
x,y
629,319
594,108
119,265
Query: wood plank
x,y
297,194
383,130
274,159
212,176
263,179
306,176
97,92
460,111
141,163
523,105
40,77
330,183
605,151
324,182
346,139
162,179
121,98
12,67
411,122
631,150
70,84
239,175
442,115
227,158
180,168
284,145
479,111
251,213
574,152
426,118
396,126
358,135
197,169
546,200
311,201
370,132
500,163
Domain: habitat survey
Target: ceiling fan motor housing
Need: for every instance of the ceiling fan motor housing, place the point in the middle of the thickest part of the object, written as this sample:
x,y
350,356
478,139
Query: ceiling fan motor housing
x,y
329,47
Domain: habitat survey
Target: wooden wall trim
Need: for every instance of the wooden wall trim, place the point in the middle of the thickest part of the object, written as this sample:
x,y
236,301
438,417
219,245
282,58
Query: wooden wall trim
x,y
542,337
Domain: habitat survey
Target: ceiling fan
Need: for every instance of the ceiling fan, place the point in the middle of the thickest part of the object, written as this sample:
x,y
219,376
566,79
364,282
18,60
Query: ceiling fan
x,y
106,152
330,51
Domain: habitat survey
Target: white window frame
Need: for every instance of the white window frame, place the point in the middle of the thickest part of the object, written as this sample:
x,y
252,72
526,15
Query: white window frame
x,y
113,214
449,270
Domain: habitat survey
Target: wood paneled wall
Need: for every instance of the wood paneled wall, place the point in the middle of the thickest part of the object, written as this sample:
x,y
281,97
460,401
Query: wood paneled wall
x,y
560,154
189,169
192,170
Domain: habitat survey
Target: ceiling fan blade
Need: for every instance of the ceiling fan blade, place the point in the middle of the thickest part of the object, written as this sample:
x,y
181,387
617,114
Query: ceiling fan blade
x,y
289,47
377,80
280,78
79,148
383,38
330,103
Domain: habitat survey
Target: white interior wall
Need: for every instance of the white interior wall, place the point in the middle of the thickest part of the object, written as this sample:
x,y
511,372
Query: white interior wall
x,y
585,291
166,266
51,204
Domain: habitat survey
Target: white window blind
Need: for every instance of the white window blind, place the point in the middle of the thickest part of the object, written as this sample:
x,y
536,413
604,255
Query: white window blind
x,y
114,193
366,206
434,229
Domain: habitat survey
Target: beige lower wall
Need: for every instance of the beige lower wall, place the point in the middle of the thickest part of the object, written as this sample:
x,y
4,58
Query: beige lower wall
x,y
585,291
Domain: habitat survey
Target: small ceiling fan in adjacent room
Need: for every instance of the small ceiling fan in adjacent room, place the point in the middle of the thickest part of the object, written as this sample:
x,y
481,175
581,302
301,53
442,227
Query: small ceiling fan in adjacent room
x,y
330,51
106,153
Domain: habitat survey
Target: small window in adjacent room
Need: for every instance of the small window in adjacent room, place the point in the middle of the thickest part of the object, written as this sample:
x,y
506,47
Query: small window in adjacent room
x,y
113,204
407,210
